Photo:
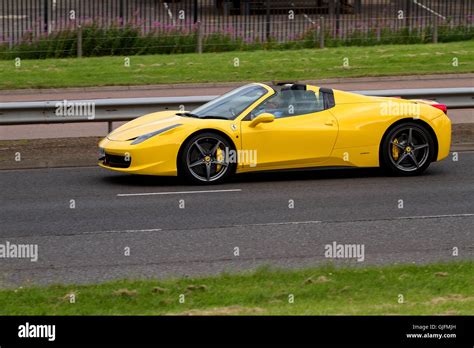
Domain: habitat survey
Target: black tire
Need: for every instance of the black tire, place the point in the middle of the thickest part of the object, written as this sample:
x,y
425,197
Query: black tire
x,y
403,156
197,164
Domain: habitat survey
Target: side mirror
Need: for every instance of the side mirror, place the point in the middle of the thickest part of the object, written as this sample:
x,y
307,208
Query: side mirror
x,y
262,118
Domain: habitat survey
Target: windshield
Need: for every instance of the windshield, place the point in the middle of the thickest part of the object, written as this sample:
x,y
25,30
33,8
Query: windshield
x,y
231,104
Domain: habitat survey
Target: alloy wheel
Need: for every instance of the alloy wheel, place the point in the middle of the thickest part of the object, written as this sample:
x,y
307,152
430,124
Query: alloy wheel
x,y
205,159
409,148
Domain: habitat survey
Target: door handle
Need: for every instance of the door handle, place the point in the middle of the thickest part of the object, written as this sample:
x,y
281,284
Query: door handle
x,y
329,122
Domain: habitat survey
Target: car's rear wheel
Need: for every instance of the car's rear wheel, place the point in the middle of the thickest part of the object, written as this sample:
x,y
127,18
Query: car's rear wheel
x,y
204,159
407,149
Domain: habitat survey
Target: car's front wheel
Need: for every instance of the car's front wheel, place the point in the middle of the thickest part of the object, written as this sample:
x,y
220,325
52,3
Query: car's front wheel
x,y
407,149
205,159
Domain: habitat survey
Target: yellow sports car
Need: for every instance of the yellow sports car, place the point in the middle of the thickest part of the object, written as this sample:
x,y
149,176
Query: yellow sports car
x,y
259,127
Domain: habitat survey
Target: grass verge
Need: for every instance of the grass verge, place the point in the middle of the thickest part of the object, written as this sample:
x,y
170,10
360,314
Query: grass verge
x,y
445,289
305,64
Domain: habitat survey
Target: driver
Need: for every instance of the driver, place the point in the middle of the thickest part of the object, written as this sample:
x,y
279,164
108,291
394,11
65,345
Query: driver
x,y
278,105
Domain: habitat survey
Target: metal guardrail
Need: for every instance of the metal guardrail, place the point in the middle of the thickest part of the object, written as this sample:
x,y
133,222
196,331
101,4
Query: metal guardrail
x,y
105,110
111,110
454,98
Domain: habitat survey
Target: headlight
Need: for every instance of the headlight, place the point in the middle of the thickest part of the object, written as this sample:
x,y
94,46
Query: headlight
x,y
144,137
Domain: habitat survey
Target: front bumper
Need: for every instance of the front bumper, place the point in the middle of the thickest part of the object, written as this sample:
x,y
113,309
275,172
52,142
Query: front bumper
x,y
148,159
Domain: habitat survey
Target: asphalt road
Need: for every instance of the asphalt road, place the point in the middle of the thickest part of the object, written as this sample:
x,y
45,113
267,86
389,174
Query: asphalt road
x,y
113,212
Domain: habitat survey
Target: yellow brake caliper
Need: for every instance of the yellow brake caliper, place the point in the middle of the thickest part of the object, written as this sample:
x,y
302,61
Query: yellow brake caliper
x,y
219,157
395,150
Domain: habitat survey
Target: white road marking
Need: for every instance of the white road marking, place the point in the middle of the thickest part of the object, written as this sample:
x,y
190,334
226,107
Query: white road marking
x,y
265,224
291,223
175,193
279,223
434,216
123,231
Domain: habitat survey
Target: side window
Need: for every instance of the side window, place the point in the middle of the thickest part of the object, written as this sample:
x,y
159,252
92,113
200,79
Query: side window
x,y
287,103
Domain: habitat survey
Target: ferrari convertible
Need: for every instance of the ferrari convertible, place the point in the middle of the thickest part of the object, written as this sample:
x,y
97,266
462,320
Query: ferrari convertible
x,y
259,127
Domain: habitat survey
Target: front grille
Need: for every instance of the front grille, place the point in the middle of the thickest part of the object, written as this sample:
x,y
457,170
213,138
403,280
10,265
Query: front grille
x,y
116,161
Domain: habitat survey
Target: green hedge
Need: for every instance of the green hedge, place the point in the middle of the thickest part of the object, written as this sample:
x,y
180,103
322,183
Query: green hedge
x,y
130,40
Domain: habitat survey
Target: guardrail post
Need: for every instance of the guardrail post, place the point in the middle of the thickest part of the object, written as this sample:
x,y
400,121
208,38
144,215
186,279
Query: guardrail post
x,y
435,29
79,41
321,32
199,37
110,126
